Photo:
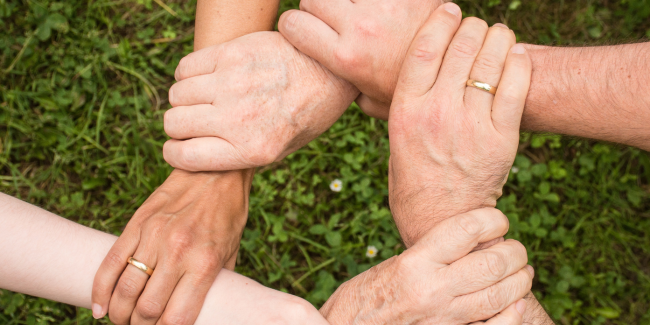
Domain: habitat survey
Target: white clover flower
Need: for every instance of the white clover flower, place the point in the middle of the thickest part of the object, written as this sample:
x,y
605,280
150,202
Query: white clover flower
x,y
336,185
372,251
514,170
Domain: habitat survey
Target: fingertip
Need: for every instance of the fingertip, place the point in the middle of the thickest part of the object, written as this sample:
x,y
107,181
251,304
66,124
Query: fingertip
x,y
521,306
452,8
530,270
98,311
287,21
169,152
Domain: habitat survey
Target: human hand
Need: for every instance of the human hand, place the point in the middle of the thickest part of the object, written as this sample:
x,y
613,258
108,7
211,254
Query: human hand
x,y
440,280
248,103
364,42
452,146
186,231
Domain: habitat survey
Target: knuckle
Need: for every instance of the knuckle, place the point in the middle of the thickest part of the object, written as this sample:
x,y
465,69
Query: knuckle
x,y
367,28
347,59
465,48
114,261
496,301
468,225
495,265
424,49
476,22
179,242
299,309
128,288
115,319
149,309
519,248
489,63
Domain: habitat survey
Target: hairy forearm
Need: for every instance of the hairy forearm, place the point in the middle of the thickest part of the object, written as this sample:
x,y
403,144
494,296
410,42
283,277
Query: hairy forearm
x,y
219,21
591,92
54,258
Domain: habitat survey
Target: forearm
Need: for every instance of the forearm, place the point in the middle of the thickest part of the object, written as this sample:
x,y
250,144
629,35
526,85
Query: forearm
x,y
219,21
591,92
54,258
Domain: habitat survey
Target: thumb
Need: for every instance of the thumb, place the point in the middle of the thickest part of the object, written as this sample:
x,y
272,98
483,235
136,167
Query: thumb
x,y
310,36
206,154
373,108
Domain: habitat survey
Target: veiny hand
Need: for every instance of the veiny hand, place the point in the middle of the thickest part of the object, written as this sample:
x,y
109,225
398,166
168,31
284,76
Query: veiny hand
x,y
452,146
363,41
440,280
186,231
248,103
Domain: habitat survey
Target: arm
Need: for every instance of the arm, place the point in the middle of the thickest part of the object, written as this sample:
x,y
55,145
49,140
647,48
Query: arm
x,y
591,92
201,214
54,258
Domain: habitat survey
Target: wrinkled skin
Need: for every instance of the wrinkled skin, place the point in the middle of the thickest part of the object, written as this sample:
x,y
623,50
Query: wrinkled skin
x,y
436,281
248,103
364,41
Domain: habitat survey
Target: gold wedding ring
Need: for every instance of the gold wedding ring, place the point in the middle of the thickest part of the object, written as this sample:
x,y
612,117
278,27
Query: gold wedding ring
x,y
140,266
482,86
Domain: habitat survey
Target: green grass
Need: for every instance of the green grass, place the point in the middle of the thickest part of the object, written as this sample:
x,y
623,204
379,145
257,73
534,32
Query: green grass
x,y
83,89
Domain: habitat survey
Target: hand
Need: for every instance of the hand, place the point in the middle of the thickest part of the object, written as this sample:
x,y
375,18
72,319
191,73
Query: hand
x,y
438,280
186,231
248,103
452,146
364,42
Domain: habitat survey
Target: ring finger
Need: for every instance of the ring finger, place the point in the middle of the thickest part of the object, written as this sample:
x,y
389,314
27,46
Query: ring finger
x,y
130,286
488,67
158,291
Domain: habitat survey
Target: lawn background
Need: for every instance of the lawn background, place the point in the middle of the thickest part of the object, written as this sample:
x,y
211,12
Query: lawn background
x,y
83,89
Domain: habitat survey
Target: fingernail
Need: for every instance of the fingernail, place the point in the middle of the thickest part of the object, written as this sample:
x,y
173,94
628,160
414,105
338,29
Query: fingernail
x,y
98,311
521,306
530,270
452,8
518,49
500,25
171,95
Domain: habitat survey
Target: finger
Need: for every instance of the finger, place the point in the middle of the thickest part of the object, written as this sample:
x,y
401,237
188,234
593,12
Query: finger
x,y
488,244
331,12
513,315
206,154
198,63
312,37
457,236
185,122
194,91
511,95
130,286
151,304
373,108
111,269
461,55
488,302
188,297
489,67
481,269
422,63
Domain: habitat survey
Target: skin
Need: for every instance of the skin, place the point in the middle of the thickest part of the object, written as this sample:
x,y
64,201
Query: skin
x,y
183,231
451,146
590,92
54,258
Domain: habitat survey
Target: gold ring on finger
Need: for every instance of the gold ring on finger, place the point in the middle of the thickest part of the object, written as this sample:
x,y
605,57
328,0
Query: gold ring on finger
x,y
141,266
482,86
